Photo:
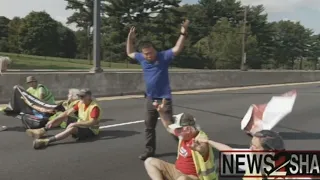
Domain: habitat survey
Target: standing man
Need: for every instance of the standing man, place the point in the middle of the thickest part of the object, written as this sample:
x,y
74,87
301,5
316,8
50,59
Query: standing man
x,y
155,67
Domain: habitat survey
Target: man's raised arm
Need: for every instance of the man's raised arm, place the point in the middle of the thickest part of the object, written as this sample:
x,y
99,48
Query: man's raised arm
x,y
180,43
130,48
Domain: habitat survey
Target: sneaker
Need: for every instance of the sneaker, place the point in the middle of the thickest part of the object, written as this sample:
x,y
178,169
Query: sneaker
x,y
40,143
145,155
36,133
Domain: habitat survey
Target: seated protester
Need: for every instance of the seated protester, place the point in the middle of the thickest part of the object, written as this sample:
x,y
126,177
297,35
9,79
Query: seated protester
x,y
39,91
264,140
195,160
86,126
72,100
4,62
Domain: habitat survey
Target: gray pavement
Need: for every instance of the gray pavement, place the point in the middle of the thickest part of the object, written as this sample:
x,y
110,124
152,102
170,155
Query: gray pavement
x,y
115,154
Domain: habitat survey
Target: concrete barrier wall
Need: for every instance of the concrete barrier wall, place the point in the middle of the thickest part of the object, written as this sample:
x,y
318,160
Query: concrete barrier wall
x,y
123,83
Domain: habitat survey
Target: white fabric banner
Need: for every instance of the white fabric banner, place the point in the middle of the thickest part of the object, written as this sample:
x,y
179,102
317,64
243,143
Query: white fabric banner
x,y
266,116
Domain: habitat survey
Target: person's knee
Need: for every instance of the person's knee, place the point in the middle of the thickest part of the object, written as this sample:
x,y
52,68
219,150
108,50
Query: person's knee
x,y
151,162
72,130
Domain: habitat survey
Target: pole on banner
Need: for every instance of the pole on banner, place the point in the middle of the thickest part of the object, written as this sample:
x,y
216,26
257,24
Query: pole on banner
x,y
96,38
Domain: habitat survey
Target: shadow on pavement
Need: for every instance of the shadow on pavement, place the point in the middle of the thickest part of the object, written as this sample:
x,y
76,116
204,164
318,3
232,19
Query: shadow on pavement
x,y
16,129
170,154
104,135
299,135
106,120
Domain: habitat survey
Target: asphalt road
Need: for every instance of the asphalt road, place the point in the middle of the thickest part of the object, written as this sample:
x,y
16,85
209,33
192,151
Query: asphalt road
x,y
115,154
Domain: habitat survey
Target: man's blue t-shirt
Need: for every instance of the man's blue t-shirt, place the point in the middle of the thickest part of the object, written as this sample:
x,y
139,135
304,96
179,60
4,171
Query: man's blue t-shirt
x,y
156,74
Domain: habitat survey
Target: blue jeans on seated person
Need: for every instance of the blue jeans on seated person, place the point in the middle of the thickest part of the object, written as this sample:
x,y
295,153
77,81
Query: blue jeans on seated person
x,y
39,114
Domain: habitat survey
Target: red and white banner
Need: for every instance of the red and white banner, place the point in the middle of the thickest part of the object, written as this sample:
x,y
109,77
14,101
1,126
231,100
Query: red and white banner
x,y
266,116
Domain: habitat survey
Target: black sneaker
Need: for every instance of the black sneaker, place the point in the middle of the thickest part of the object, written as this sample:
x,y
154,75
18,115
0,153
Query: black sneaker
x,y
145,155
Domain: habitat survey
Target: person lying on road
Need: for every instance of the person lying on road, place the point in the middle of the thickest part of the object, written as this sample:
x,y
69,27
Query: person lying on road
x,y
195,160
87,125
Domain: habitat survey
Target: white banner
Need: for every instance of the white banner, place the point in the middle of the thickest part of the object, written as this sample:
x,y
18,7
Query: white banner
x,y
266,116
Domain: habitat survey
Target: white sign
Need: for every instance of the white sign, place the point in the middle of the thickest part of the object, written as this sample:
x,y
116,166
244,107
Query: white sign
x,y
266,116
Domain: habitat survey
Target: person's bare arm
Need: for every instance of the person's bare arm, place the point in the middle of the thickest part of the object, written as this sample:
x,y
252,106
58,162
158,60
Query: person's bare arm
x,y
163,117
130,47
220,146
180,43
216,145
165,120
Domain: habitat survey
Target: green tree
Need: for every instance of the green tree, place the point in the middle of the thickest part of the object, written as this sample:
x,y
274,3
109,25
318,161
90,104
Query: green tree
x,y
38,34
314,50
199,26
83,18
264,32
4,33
166,23
223,46
67,42
292,39
13,35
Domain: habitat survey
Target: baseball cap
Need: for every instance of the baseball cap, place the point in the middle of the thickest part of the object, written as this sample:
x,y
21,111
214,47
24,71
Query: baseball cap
x,y
84,92
183,119
30,79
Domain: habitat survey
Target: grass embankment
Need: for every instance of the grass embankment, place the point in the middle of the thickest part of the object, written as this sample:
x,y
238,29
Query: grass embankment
x,y
22,61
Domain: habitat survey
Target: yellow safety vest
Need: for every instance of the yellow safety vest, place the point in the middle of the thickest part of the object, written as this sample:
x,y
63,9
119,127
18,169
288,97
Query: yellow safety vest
x,y
206,170
84,115
67,105
48,98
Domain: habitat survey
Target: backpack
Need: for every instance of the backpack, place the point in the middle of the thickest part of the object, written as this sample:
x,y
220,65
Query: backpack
x,y
32,122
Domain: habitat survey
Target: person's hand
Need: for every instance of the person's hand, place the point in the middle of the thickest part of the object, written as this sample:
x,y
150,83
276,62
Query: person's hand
x,y
132,33
184,27
49,124
196,145
160,107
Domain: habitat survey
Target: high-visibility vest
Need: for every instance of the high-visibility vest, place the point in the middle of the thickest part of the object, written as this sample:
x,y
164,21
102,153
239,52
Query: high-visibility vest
x,y
205,170
48,97
67,105
84,115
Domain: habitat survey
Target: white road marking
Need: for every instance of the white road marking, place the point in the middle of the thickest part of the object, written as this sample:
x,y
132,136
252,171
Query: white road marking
x,y
121,124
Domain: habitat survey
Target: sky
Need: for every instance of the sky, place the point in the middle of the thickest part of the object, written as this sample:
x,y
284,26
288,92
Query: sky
x,y
305,11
